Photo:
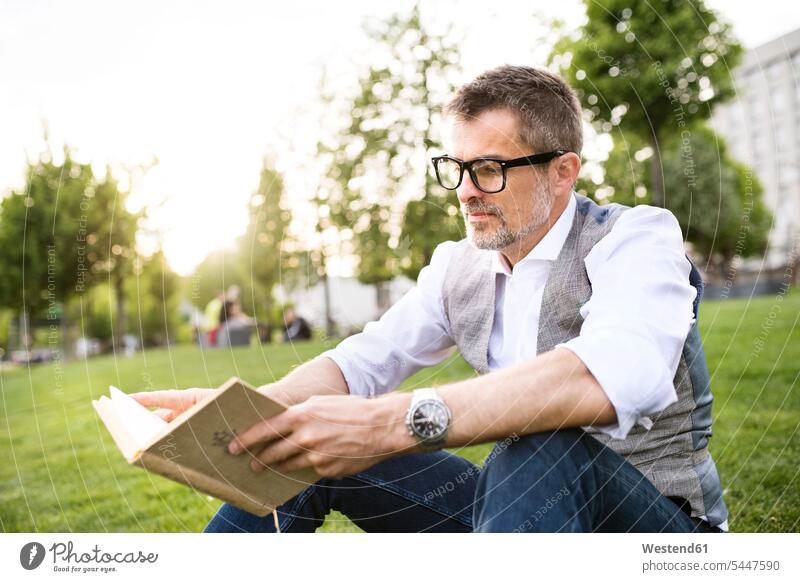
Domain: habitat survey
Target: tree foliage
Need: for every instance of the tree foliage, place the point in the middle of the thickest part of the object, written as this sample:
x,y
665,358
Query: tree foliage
x,y
45,230
153,315
258,260
63,233
649,68
717,200
261,249
379,160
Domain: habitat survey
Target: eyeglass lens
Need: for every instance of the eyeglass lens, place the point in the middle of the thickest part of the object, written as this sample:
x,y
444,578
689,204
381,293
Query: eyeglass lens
x,y
487,173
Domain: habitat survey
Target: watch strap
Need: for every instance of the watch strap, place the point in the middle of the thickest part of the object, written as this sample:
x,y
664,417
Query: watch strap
x,y
421,394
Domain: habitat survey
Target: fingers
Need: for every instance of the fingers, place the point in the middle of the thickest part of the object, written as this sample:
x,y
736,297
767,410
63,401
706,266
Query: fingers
x,y
162,398
295,463
274,453
270,429
172,399
166,414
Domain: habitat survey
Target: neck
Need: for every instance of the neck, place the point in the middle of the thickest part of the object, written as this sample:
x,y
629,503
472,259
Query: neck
x,y
514,253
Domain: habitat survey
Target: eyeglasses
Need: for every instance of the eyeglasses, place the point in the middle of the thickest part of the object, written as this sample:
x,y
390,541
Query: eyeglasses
x,y
488,174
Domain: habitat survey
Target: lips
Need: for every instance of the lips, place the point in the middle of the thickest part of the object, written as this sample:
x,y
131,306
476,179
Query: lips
x,y
479,216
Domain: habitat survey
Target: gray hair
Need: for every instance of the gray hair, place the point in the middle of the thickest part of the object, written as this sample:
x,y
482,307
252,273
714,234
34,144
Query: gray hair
x,y
547,108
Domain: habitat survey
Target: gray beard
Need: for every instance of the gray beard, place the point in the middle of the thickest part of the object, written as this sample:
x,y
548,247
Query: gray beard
x,y
482,237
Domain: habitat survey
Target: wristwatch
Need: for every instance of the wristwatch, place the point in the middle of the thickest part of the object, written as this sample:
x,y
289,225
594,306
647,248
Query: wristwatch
x,y
428,419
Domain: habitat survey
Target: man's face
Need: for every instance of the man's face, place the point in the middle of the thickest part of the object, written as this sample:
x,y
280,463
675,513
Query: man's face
x,y
523,207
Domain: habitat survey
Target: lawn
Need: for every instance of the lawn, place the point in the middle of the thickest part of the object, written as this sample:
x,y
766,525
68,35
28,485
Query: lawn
x,y
60,471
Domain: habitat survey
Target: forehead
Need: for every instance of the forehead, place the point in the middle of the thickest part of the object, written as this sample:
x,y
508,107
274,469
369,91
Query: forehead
x,y
491,133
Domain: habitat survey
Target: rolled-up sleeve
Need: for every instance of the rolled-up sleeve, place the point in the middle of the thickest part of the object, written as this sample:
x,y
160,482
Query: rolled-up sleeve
x,y
638,316
411,335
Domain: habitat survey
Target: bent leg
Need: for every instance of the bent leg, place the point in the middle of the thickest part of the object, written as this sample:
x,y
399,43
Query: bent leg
x,y
411,493
568,481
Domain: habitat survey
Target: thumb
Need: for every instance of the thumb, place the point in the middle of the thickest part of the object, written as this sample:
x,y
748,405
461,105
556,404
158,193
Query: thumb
x,y
166,414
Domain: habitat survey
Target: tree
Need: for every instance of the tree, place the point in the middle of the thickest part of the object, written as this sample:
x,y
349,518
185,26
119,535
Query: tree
x,y
624,177
156,287
717,200
309,266
261,247
216,273
259,258
380,158
64,233
650,69
112,243
43,238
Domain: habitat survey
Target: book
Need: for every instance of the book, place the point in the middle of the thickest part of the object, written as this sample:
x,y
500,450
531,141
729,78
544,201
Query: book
x,y
193,448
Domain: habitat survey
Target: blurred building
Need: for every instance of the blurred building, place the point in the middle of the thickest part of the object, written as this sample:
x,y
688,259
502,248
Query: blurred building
x,y
762,128
353,304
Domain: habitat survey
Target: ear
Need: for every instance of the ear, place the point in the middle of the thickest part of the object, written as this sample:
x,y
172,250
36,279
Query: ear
x,y
564,171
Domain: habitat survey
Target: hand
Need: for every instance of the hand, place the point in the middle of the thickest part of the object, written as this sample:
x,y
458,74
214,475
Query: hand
x,y
171,403
334,435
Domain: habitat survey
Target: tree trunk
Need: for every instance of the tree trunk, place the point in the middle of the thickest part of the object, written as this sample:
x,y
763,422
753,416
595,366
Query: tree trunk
x,y
330,327
656,173
382,296
24,330
120,323
12,332
63,329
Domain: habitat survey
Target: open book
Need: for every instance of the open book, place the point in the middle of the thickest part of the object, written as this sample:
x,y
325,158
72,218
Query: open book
x,y
193,448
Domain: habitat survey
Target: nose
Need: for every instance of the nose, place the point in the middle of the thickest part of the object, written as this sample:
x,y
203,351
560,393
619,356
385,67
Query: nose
x,y
467,190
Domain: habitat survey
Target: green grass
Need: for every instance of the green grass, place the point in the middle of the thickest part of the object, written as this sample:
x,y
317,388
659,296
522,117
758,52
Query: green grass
x,y
60,471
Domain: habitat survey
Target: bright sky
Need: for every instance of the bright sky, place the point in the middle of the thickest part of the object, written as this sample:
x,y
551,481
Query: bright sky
x,y
210,87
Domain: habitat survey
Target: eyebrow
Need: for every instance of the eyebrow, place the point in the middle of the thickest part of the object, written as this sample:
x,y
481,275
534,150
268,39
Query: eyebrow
x,y
491,155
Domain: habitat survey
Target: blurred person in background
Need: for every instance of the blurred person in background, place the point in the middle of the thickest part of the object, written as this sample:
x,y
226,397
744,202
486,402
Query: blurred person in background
x,y
296,328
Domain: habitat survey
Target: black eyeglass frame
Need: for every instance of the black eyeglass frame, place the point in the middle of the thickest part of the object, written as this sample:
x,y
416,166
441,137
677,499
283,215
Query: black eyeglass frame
x,y
531,160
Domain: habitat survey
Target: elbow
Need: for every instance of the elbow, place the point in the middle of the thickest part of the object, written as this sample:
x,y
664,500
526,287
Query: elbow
x,y
606,413
602,410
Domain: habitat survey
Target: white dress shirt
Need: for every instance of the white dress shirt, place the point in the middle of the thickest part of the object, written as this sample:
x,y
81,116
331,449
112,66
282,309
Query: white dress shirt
x,y
635,323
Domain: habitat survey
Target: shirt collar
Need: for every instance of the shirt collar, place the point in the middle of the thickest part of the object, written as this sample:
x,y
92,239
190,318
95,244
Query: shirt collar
x,y
546,249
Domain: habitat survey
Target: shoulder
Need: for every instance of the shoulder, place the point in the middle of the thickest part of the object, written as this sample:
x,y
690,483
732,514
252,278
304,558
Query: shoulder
x,y
644,230
431,277
596,214
452,253
650,220
446,250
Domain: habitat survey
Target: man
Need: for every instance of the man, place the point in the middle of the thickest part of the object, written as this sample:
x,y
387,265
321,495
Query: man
x,y
581,321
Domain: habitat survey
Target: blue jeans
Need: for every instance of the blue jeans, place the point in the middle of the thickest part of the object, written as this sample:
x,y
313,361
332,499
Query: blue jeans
x,y
561,481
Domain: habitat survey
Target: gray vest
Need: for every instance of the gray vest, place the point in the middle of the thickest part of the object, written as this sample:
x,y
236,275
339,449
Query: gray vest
x,y
673,454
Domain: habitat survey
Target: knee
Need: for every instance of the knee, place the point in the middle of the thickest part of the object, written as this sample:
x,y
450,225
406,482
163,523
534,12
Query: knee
x,y
230,519
542,449
520,478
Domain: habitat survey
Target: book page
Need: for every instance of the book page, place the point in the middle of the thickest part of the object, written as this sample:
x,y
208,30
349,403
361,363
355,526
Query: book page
x,y
141,425
108,414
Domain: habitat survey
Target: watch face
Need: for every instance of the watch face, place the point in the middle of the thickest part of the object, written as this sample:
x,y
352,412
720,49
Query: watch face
x,y
430,419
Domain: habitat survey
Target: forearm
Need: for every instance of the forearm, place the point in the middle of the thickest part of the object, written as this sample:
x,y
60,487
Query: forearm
x,y
554,390
320,376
